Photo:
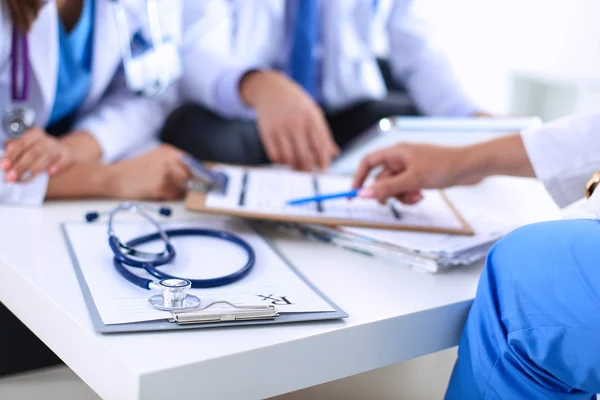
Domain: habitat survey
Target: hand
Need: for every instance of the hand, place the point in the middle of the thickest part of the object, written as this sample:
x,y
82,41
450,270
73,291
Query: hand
x,y
156,175
291,125
23,12
33,153
409,168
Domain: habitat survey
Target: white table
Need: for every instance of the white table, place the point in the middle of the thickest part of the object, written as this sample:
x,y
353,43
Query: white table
x,y
395,314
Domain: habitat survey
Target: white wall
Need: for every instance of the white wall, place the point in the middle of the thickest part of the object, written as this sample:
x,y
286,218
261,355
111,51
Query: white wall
x,y
497,44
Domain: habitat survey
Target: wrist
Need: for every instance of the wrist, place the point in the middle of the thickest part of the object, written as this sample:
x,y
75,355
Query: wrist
x,y
83,146
109,182
470,164
253,86
82,180
247,85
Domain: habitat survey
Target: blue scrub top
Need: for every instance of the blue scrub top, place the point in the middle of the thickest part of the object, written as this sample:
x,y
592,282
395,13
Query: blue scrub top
x,y
75,64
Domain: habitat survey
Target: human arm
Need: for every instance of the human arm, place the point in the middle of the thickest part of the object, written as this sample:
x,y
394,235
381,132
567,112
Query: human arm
x,y
120,122
409,168
239,83
157,175
424,70
562,154
292,126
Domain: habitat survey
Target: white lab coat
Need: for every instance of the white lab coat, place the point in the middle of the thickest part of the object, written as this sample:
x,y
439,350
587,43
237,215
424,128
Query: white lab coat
x,y
121,122
350,70
565,154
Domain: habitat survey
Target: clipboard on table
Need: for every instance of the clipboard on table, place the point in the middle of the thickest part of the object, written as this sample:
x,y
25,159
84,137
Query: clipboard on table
x,y
231,315
245,192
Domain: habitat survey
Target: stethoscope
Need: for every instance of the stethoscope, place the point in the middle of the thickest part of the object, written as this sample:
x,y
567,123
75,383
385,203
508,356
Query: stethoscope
x,y
20,116
174,290
147,74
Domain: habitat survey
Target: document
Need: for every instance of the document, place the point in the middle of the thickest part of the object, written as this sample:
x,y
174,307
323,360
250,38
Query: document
x,y
488,229
270,282
265,191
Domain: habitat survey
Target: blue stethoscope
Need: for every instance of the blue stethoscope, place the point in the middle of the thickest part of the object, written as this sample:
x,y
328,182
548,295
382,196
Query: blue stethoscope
x,y
147,74
174,290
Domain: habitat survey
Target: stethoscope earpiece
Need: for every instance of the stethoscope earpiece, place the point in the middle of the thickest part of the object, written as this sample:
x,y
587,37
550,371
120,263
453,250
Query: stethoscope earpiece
x,y
92,216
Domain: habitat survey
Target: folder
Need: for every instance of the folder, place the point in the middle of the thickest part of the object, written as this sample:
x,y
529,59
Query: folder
x,y
262,194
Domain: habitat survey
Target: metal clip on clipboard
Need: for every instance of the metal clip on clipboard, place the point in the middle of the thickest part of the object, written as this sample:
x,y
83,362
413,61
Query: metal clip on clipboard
x,y
233,314
206,180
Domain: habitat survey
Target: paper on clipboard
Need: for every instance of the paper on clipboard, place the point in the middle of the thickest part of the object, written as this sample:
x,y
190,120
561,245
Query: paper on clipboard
x,y
263,193
271,281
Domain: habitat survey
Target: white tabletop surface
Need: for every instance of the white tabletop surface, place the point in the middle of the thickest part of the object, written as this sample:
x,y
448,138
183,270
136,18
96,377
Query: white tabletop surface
x,y
395,314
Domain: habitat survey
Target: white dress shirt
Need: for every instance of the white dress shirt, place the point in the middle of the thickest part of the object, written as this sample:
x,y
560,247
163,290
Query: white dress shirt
x,y
348,67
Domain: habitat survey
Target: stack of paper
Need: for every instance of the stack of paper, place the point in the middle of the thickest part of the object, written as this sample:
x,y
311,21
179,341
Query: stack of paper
x,y
428,252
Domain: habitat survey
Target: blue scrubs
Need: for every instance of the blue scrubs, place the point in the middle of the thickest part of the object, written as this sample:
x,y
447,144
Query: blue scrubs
x,y
74,65
533,331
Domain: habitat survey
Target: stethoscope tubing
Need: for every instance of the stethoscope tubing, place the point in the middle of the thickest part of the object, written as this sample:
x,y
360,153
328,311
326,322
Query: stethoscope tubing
x,y
121,261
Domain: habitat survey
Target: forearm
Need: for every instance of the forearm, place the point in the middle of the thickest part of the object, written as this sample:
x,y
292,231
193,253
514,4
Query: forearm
x,y
256,84
82,180
503,156
83,146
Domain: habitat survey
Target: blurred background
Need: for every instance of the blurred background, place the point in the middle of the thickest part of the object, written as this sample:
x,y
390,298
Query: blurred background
x,y
531,57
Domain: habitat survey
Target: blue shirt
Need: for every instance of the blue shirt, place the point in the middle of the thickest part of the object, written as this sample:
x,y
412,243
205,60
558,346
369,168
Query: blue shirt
x,y
74,65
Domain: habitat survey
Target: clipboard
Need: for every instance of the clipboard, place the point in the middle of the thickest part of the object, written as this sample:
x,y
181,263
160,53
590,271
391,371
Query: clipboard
x,y
197,200
195,319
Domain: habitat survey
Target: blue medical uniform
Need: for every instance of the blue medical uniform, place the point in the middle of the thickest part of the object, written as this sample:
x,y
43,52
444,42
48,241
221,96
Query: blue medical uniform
x,y
533,331
75,65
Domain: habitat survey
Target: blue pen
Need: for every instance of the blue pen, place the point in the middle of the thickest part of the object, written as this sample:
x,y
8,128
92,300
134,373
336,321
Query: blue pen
x,y
348,195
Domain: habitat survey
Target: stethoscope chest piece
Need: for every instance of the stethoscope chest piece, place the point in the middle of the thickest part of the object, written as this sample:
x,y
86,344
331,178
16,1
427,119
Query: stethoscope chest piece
x,y
174,296
17,120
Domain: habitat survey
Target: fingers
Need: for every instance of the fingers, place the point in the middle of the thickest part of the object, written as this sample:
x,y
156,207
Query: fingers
x,y
271,146
410,198
176,177
16,148
396,185
179,174
366,166
286,148
33,153
384,173
62,161
304,155
322,143
39,165
24,164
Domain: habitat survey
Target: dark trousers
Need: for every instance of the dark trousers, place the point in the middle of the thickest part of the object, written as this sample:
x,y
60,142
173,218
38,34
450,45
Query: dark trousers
x,y
209,137
20,349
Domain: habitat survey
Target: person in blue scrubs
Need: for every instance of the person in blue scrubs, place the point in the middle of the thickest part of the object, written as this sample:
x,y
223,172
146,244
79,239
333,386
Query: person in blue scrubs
x,y
533,331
